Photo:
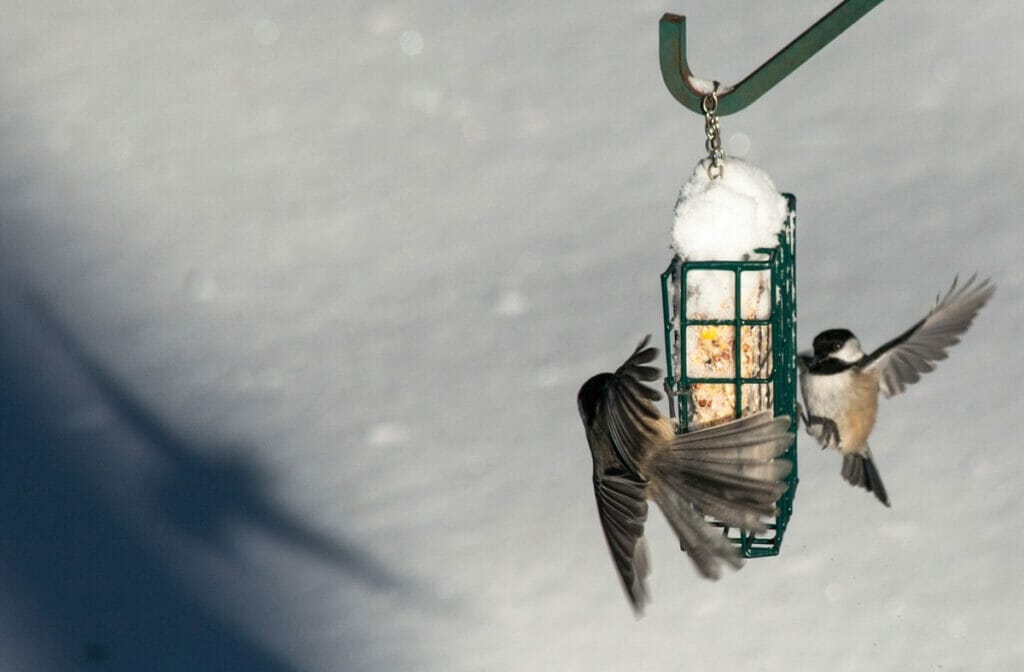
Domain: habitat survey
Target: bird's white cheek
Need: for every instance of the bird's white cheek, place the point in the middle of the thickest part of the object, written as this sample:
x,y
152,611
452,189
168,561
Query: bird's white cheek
x,y
850,352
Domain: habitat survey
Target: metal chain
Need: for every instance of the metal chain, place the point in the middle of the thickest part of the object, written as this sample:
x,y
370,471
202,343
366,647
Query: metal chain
x,y
712,132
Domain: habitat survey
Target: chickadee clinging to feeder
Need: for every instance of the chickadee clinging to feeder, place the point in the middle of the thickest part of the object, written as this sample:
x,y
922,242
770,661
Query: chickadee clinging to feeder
x,y
840,383
728,471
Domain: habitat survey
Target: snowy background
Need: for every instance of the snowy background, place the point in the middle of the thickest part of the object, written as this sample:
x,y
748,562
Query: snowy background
x,y
296,299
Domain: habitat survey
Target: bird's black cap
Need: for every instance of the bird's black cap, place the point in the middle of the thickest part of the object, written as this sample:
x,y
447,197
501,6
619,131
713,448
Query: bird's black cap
x,y
829,341
590,395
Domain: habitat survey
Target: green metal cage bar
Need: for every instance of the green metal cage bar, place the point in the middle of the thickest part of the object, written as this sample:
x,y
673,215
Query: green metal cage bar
x,y
781,265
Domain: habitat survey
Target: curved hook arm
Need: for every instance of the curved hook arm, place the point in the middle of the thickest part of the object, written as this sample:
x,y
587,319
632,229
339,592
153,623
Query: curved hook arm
x,y
690,90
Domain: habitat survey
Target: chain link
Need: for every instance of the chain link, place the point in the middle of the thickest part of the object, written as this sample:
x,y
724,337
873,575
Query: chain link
x,y
712,132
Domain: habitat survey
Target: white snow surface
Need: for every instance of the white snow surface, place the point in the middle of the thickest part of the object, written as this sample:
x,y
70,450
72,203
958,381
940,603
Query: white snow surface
x,y
729,217
297,297
704,86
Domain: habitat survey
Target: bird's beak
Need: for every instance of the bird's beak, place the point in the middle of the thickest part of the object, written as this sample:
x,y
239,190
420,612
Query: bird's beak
x,y
805,360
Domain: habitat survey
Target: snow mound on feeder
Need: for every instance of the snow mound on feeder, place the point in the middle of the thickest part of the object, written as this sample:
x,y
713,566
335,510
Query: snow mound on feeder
x,y
730,217
727,220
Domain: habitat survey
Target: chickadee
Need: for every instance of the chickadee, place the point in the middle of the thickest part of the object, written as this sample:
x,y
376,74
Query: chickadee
x,y
840,383
728,471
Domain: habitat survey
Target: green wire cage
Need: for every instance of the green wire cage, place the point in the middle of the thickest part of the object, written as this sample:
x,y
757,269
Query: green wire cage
x,y
756,371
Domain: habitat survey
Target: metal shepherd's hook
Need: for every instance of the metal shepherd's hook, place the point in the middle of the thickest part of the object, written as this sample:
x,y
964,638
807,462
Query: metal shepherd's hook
x,y
691,91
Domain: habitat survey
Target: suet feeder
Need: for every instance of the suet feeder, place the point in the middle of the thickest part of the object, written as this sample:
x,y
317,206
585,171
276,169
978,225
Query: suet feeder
x,y
755,371
739,357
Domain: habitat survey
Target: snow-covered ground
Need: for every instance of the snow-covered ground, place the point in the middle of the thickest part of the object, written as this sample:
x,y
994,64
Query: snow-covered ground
x,y
296,299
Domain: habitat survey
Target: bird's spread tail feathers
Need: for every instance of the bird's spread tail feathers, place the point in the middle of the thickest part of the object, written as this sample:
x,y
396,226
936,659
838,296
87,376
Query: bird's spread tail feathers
x,y
707,547
729,472
860,470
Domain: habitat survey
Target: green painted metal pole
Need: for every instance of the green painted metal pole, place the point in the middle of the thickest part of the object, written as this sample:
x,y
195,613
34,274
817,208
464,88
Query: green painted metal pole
x,y
688,89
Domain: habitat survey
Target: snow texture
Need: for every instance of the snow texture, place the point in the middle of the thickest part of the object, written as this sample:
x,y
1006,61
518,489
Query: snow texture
x,y
297,297
704,86
729,217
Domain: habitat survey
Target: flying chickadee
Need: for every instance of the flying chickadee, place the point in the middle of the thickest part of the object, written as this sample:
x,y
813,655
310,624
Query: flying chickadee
x,y
840,383
728,471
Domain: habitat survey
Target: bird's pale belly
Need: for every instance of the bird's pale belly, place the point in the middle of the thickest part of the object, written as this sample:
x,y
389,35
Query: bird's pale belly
x,y
836,397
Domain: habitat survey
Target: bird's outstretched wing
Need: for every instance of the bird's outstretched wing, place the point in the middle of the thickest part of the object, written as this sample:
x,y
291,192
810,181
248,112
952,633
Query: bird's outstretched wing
x,y
622,507
633,418
621,489
901,361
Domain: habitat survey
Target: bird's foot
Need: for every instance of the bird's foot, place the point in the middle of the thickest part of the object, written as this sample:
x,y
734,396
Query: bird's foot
x,y
801,416
828,435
